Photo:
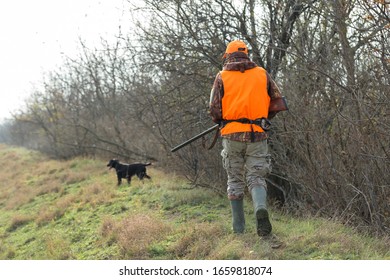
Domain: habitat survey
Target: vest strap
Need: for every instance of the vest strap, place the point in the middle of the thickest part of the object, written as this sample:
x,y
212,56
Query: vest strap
x,y
264,123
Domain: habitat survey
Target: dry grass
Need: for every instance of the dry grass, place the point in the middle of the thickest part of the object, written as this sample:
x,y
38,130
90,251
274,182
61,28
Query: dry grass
x,y
72,177
66,201
58,248
18,196
48,214
97,193
53,212
48,167
198,242
23,179
234,248
108,226
19,220
136,233
54,187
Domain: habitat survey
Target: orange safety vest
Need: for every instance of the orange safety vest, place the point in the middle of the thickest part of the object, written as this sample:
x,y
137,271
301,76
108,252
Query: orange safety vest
x,y
245,96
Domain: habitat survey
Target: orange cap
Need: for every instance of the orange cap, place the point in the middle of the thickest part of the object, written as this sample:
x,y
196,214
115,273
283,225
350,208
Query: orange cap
x,y
236,46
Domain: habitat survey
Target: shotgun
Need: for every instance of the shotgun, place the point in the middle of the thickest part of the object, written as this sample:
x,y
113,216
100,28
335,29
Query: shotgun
x,y
276,105
194,138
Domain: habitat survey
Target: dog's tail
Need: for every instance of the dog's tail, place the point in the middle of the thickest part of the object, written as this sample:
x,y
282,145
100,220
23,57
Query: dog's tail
x,y
148,163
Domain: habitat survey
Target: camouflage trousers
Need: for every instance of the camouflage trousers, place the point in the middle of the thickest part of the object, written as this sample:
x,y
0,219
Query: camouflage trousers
x,y
246,164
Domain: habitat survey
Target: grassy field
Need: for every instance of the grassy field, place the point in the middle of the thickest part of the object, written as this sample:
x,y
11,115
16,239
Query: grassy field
x,y
57,210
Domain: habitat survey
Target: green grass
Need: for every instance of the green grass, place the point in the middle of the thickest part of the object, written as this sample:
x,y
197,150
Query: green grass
x,y
73,210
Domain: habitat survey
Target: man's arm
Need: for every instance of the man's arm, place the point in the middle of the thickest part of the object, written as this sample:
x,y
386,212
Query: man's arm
x,y
273,92
215,106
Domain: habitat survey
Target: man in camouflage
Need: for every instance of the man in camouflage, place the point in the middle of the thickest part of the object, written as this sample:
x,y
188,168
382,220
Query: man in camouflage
x,y
239,102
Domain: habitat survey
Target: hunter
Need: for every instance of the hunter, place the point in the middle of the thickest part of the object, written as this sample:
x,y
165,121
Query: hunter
x,y
239,103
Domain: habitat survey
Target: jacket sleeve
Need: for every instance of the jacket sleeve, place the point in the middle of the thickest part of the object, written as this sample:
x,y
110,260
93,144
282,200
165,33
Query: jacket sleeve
x,y
273,89
215,105
273,92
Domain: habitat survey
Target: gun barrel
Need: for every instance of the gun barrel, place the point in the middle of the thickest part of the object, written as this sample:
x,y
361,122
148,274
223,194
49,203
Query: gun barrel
x,y
194,138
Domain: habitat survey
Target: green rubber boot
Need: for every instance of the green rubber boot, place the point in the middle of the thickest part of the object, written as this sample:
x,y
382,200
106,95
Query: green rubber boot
x,y
259,197
238,215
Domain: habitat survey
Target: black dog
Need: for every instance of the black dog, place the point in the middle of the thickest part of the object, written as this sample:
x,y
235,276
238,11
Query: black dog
x,y
124,170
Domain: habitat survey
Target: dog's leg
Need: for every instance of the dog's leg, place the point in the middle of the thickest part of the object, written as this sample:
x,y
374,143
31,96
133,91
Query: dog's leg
x,y
141,175
119,179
